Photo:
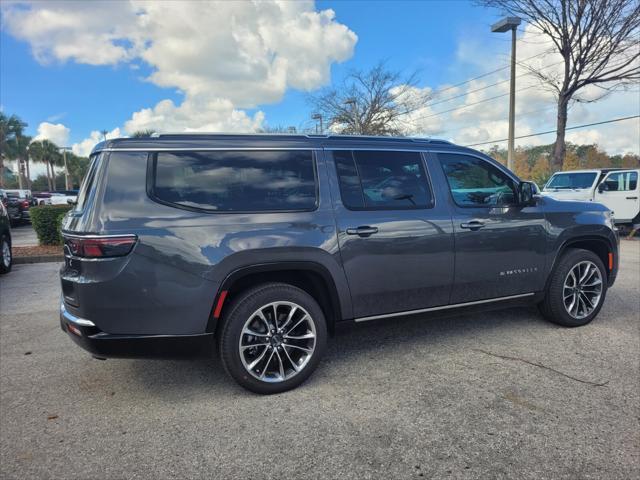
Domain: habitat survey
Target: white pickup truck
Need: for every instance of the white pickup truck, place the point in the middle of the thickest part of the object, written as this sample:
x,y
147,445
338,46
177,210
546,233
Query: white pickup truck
x,y
617,189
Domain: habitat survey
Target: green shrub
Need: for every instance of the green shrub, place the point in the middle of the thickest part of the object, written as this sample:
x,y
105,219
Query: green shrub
x,y
46,221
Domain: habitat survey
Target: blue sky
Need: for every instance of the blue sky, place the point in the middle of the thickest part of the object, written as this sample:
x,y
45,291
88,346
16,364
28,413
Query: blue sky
x,y
56,75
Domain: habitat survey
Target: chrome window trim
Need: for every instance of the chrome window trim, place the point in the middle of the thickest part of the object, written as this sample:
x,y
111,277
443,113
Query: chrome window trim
x,y
204,149
442,307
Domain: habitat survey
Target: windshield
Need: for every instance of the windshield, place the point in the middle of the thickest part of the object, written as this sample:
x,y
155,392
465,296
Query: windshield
x,y
571,180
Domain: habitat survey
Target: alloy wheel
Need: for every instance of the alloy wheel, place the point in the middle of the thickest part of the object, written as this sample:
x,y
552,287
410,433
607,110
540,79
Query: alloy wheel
x,y
582,289
277,341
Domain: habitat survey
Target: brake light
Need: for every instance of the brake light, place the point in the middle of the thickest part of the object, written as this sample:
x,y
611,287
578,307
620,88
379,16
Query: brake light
x,y
25,203
100,247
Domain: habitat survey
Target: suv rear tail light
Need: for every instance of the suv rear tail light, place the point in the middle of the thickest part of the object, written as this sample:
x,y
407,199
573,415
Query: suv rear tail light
x,y
100,247
25,203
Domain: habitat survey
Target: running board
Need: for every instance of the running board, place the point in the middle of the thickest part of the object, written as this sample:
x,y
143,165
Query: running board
x,y
443,307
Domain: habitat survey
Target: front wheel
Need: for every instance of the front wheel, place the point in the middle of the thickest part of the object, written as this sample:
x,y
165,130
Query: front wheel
x,y
576,290
273,338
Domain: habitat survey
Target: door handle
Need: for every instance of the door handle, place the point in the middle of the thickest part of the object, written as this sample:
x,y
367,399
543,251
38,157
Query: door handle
x,y
632,198
472,225
363,231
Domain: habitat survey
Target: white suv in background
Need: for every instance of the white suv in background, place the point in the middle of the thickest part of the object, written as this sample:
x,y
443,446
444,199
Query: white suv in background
x,y
617,189
63,197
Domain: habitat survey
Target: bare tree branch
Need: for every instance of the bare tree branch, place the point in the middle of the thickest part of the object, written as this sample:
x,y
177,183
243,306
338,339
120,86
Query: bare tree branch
x,y
599,41
370,102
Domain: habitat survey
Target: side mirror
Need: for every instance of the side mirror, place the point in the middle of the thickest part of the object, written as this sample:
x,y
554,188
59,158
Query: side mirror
x,y
526,191
603,187
70,202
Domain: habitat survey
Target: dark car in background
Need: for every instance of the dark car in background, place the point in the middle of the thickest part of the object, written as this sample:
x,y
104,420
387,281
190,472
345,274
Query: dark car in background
x,y
19,202
265,244
6,257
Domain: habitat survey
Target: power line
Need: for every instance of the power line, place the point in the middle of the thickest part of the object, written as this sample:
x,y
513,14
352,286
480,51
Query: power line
x,y
487,86
519,116
553,131
486,74
472,104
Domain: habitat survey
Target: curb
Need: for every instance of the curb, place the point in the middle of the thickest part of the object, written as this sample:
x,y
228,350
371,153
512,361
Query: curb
x,y
38,259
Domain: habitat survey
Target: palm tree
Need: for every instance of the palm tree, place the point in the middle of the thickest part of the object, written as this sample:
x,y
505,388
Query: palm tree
x,y
143,133
11,128
78,167
46,152
22,155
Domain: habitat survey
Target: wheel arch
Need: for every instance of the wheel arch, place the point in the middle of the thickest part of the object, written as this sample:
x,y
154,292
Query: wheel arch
x,y
599,245
312,277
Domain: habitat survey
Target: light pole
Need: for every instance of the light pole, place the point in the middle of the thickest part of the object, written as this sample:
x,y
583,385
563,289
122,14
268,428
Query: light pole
x,y
354,111
317,116
504,25
67,186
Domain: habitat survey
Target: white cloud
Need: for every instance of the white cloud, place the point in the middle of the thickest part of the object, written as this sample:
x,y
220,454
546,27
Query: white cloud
x,y
223,56
199,113
84,147
55,132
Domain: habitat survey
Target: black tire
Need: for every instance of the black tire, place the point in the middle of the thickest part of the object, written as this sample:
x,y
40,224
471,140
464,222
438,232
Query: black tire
x,y
4,267
240,311
553,306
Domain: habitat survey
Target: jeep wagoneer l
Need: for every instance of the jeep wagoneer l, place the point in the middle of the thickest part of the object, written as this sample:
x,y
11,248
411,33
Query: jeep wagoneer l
x,y
264,244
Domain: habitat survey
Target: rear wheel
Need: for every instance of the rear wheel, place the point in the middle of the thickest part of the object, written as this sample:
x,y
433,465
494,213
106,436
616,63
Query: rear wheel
x,y
6,258
273,338
577,289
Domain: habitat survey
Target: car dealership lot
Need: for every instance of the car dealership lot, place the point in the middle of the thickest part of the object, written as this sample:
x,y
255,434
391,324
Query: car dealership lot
x,y
405,398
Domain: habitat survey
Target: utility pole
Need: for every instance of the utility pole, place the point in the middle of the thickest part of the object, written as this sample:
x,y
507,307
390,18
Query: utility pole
x,y
67,184
317,116
504,25
354,112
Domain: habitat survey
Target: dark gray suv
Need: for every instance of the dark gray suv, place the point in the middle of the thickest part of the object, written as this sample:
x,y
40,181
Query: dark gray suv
x,y
264,244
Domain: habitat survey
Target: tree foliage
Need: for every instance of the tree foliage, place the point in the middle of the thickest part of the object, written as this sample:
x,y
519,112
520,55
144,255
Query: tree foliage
x,y
11,140
533,163
47,152
143,133
373,102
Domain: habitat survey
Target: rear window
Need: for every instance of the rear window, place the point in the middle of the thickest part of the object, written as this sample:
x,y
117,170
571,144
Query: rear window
x,y
236,181
382,180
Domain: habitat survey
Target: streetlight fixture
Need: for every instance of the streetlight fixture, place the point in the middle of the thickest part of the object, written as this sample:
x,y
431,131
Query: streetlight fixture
x,y
317,116
504,25
67,184
354,111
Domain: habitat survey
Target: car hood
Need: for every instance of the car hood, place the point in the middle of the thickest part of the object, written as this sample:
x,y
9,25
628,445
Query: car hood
x,y
553,204
580,194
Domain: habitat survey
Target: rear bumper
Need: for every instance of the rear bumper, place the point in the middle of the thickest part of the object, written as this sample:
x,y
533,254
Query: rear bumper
x,y
104,345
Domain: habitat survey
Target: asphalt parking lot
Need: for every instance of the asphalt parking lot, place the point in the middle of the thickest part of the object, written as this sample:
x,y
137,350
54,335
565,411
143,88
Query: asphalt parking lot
x,y
406,398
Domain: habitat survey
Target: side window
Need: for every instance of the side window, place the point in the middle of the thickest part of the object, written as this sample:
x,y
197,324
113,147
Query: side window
x,y
236,181
382,180
621,181
475,182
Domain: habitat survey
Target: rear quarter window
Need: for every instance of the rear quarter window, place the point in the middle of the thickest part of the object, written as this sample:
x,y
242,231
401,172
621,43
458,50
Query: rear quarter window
x,y
88,183
236,181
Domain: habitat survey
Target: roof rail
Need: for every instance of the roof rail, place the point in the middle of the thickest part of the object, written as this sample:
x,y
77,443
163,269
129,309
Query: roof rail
x,y
306,135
